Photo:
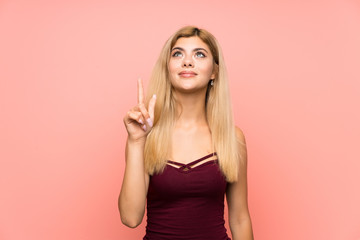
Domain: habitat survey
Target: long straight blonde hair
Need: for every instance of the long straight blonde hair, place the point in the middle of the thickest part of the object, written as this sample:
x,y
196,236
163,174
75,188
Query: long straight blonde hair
x,y
218,109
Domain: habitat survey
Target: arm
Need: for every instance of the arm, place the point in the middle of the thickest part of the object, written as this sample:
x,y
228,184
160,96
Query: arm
x,y
236,196
132,198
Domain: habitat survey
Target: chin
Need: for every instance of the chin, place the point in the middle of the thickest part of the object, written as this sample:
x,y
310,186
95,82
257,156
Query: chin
x,y
189,85
190,89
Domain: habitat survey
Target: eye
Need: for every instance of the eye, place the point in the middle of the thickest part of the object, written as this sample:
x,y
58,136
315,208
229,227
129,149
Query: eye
x,y
200,54
177,54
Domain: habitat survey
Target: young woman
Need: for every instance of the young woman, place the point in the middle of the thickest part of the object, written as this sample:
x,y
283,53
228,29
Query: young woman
x,y
183,152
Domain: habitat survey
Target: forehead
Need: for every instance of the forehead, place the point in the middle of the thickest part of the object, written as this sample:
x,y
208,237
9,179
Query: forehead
x,y
189,43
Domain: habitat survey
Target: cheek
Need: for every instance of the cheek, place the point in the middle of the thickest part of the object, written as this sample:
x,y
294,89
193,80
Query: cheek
x,y
207,68
173,67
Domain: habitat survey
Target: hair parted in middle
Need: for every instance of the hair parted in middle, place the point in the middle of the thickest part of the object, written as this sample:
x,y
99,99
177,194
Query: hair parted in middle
x,y
217,103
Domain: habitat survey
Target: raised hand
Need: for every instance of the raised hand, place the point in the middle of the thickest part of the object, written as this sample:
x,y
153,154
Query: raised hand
x,y
139,120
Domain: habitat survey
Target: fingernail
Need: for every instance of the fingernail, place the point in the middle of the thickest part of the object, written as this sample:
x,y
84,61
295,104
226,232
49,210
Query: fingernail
x,y
149,122
141,121
144,127
154,96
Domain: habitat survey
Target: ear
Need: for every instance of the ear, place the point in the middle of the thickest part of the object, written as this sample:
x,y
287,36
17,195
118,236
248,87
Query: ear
x,y
215,71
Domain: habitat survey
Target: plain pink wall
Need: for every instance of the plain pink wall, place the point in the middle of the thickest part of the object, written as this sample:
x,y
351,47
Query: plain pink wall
x,y
68,73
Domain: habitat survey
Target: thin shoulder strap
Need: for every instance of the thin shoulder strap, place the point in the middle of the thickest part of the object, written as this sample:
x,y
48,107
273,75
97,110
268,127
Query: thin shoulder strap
x,y
193,162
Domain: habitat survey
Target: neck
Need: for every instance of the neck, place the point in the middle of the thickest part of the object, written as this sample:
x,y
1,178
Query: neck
x,y
190,109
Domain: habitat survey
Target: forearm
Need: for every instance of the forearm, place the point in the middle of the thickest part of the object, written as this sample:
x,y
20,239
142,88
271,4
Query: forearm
x,y
132,197
242,230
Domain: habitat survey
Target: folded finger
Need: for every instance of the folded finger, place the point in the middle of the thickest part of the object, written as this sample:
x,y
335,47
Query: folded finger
x,y
135,116
145,114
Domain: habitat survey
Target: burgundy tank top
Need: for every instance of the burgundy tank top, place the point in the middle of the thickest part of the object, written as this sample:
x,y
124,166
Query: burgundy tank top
x,y
187,202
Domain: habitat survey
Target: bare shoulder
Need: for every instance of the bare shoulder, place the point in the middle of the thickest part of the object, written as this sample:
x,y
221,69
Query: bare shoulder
x,y
242,145
240,135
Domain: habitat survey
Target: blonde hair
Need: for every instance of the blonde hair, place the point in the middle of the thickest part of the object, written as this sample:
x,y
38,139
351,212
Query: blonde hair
x,y
218,110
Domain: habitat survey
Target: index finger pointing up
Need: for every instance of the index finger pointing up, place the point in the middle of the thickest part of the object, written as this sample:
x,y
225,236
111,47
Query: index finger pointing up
x,y
140,91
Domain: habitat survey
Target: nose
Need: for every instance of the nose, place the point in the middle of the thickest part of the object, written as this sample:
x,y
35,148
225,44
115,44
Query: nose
x,y
188,62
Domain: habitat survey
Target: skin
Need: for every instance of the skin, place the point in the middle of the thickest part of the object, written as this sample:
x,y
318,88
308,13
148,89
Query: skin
x,y
191,134
191,66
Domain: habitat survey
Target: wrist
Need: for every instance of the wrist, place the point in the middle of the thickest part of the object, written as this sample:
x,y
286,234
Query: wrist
x,y
136,141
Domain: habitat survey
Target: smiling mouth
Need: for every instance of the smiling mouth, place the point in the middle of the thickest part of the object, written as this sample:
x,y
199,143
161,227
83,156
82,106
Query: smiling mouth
x,y
186,74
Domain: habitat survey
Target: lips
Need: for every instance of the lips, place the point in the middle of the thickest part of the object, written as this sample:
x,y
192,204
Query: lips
x,y
187,74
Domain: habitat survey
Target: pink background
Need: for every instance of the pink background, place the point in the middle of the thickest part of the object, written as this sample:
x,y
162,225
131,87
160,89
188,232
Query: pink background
x,y
68,73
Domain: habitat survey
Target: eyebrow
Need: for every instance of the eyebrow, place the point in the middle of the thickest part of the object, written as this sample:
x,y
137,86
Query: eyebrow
x,y
194,50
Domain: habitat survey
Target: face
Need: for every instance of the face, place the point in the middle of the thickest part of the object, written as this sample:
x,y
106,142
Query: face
x,y
191,65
